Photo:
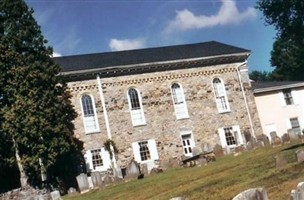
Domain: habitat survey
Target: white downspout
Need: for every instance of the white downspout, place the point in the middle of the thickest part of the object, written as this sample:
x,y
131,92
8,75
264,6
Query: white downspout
x,y
105,113
244,96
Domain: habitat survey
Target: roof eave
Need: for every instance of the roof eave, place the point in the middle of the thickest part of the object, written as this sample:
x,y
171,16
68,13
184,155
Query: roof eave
x,y
156,66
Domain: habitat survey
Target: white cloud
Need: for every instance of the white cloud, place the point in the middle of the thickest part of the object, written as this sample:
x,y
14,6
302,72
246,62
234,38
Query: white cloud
x,y
56,54
227,14
126,44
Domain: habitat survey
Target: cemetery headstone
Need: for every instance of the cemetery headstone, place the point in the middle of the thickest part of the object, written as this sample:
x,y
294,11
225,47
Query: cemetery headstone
x,y
55,195
300,155
83,183
285,138
280,161
218,150
273,135
132,170
252,194
196,151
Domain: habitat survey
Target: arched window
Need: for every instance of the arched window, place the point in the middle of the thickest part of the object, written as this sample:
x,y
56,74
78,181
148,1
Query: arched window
x,y
89,114
137,113
220,96
179,102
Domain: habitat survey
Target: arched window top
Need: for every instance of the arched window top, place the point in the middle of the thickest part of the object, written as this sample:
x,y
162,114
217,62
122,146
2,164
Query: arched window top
x,y
175,85
134,99
220,95
217,80
89,114
87,105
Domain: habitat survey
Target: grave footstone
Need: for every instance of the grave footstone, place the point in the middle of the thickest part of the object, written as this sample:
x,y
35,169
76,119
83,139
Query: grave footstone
x,y
72,191
201,161
83,183
252,194
300,155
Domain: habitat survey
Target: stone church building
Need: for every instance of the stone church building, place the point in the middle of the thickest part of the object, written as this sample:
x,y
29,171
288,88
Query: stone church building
x,y
158,103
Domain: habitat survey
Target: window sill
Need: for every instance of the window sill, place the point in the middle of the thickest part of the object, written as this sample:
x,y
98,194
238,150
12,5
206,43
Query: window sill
x,y
181,118
226,111
138,125
92,132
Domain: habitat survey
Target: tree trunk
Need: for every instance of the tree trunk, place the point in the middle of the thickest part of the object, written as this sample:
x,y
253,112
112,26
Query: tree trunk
x,y
23,176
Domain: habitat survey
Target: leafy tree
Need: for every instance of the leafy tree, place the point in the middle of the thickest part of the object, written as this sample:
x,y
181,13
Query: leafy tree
x,y
261,76
35,111
288,19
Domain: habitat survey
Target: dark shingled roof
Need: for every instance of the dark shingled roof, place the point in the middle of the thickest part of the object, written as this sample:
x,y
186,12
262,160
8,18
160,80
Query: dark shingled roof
x,y
149,55
275,85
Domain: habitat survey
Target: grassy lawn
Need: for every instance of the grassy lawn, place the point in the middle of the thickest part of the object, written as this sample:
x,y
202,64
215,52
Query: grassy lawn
x,y
222,179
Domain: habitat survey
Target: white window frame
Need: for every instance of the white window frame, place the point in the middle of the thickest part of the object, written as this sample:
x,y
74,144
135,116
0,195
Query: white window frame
x,y
105,156
293,128
221,99
137,114
84,118
236,133
152,150
188,143
288,97
179,101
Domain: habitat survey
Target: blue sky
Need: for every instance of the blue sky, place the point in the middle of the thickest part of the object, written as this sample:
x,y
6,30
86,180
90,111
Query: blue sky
x,y
91,26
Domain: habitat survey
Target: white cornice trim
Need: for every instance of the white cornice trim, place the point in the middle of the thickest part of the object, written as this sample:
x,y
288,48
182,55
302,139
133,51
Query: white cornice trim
x,y
281,87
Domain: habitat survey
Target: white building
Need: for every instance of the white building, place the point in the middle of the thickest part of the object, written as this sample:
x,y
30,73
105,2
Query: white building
x,y
280,106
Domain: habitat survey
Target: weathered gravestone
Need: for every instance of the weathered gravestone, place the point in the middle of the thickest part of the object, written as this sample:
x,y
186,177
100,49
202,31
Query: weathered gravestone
x,y
292,135
196,151
206,147
83,183
201,161
285,138
144,169
263,139
300,155
218,150
252,194
97,179
107,179
273,135
298,194
280,161
133,170
55,195
72,191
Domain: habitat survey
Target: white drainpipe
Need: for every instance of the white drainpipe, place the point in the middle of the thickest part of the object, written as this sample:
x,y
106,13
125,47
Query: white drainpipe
x,y
105,113
244,96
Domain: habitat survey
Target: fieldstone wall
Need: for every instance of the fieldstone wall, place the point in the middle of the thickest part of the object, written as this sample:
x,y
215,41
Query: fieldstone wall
x,y
162,125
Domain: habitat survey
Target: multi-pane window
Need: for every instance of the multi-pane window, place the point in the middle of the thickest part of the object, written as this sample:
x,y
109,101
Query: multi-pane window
x,y
288,97
89,114
144,151
180,106
187,144
137,114
134,99
220,95
295,126
96,158
230,136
